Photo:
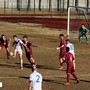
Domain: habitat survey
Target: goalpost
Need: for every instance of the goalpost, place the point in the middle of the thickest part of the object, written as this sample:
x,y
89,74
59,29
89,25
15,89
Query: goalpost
x,y
77,16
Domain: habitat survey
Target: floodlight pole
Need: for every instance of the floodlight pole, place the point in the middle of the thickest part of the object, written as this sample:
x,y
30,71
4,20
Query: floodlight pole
x,y
68,22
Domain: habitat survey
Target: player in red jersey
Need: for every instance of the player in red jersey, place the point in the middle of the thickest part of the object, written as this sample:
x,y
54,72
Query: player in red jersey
x,y
29,53
5,42
62,49
69,58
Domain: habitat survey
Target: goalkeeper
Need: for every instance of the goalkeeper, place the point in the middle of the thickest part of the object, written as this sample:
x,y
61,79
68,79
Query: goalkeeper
x,y
83,31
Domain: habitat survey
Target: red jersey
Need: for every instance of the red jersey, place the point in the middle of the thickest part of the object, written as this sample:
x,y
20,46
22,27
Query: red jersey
x,y
4,42
69,59
28,44
63,42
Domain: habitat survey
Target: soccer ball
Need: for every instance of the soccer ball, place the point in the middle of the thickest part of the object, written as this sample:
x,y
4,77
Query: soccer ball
x,y
11,53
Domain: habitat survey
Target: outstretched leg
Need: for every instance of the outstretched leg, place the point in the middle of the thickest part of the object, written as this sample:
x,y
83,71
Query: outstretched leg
x,y
32,61
75,76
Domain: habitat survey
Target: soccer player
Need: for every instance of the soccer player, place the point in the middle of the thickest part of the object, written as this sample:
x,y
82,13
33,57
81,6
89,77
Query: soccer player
x,y
83,31
29,53
35,80
5,42
71,46
62,50
18,48
70,66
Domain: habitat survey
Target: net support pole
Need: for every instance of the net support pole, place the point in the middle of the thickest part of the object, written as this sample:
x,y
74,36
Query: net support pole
x,y
68,21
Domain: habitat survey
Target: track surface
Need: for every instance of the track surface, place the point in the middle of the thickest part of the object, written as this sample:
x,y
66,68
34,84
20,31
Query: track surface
x,y
45,20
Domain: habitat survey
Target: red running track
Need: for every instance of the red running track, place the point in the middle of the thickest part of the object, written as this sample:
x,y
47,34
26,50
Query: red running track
x,y
58,23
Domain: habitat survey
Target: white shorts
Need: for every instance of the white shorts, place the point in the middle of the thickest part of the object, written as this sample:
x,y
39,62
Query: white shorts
x,y
18,51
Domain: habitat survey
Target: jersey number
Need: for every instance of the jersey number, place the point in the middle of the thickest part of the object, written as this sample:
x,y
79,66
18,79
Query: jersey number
x,y
38,78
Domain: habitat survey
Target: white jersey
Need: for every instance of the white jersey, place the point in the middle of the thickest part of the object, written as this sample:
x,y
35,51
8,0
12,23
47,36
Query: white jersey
x,y
71,46
36,79
18,44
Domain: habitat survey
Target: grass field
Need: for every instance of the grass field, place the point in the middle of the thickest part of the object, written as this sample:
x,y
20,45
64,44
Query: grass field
x,y
46,57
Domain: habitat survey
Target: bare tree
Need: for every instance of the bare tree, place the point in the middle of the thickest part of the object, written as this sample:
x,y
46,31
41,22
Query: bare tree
x,y
63,5
88,4
34,6
28,6
39,5
18,4
68,4
4,6
49,5
76,4
58,5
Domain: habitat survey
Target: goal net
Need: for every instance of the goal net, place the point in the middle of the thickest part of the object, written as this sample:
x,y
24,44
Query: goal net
x,y
76,17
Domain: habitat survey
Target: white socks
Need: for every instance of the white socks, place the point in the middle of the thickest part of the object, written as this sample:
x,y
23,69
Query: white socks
x,y
21,64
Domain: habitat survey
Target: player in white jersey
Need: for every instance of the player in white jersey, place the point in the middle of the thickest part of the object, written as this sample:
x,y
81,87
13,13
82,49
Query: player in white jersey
x,y
71,46
18,48
35,80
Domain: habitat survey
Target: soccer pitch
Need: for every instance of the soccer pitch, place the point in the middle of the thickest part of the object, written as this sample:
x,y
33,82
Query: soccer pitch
x,y
46,56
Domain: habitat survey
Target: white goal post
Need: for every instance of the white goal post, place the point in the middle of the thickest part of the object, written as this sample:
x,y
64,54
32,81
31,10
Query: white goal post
x,y
83,9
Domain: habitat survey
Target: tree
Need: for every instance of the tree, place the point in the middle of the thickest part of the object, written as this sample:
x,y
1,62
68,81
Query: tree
x,y
58,5
63,5
87,4
34,6
28,6
39,5
4,6
76,4
18,4
49,5
68,4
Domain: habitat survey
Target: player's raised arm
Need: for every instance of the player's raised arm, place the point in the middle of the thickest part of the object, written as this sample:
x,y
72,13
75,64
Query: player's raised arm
x,y
25,46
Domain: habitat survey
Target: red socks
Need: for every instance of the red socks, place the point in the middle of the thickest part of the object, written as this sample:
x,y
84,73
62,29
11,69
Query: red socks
x,y
68,77
75,76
